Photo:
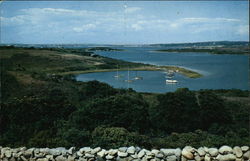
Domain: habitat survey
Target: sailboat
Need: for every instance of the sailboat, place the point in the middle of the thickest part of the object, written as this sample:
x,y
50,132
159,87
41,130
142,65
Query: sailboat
x,y
128,80
117,74
137,77
170,75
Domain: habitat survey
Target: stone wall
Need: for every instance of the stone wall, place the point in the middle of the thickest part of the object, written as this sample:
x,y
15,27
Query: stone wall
x,y
224,153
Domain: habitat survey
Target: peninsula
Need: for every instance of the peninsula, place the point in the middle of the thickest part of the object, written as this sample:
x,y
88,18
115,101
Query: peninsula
x,y
61,61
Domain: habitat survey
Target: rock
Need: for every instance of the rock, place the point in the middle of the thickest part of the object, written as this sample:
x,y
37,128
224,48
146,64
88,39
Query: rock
x,y
239,159
23,148
137,149
54,152
237,151
148,157
205,149
42,159
49,157
79,154
131,150
85,150
12,159
39,155
96,150
122,159
101,153
177,152
187,152
123,149
197,158
60,158
149,153
155,151
122,154
112,151
88,155
207,158
244,148
62,150
109,157
225,150
99,159
159,155
213,152
23,158
7,153
71,150
44,150
71,158
227,157
201,151
171,158
134,156
183,158
168,152
36,150
91,159
141,153
29,152
246,155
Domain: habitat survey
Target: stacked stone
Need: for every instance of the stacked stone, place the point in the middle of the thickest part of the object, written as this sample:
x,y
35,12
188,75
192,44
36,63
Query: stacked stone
x,y
224,153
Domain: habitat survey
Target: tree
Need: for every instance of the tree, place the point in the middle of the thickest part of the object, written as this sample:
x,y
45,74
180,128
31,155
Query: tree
x,y
128,111
177,112
213,110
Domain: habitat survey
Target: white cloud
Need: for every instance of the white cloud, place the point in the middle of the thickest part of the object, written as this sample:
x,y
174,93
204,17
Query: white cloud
x,y
84,28
131,9
72,22
137,27
57,11
243,30
206,20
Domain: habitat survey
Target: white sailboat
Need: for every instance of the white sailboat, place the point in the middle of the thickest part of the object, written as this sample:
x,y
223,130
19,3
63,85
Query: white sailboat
x,y
170,75
171,81
117,73
128,80
137,77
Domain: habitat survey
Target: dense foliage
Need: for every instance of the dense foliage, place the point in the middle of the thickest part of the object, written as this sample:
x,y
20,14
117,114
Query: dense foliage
x,y
49,110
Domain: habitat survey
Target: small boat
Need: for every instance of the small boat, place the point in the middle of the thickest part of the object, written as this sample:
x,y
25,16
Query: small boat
x,y
137,77
171,81
128,80
117,74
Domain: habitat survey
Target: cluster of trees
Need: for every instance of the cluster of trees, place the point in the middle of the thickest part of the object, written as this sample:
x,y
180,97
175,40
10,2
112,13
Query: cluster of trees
x,y
70,113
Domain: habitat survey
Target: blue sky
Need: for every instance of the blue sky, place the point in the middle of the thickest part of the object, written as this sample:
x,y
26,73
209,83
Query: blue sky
x,y
123,22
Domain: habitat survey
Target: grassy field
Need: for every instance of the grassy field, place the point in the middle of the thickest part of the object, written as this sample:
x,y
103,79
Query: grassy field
x,y
24,63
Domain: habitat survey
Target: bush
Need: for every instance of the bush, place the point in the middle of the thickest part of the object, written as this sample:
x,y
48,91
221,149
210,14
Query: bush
x,y
115,137
177,112
125,110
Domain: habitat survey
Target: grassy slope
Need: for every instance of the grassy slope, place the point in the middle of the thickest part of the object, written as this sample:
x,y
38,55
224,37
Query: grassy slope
x,y
23,62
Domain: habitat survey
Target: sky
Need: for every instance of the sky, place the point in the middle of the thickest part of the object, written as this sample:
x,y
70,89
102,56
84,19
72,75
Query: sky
x,y
123,22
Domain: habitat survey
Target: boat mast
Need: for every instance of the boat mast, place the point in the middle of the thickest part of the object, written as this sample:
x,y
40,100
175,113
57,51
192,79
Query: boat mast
x,y
117,71
128,73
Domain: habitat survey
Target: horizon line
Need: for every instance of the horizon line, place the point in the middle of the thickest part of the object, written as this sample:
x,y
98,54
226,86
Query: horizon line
x,y
119,44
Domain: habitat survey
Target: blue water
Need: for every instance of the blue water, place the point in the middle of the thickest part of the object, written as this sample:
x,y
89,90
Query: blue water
x,y
220,71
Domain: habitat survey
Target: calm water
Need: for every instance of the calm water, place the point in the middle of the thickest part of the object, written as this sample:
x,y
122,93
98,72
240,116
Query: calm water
x,y
220,71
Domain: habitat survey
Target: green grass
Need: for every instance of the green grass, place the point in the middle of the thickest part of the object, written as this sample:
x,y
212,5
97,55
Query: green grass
x,y
26,61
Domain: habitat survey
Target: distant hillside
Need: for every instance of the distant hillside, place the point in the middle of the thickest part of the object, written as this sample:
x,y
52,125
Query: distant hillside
x,y
202,44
